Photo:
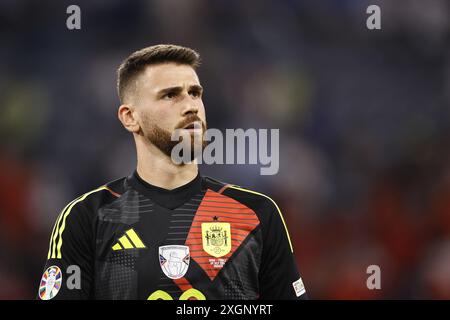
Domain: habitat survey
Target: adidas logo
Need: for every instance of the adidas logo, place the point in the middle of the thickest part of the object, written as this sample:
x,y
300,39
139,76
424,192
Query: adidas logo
x,y
130,240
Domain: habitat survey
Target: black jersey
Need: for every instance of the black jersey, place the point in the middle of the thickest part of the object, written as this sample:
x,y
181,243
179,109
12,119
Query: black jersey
x,y
204,240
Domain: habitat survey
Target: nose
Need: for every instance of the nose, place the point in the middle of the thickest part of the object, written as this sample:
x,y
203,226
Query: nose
x,y
189,106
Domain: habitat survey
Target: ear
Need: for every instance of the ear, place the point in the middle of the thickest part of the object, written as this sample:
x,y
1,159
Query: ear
x,y
128,116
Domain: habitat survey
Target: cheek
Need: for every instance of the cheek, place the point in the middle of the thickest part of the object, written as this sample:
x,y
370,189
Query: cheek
x,y
146,119
201,111
160,118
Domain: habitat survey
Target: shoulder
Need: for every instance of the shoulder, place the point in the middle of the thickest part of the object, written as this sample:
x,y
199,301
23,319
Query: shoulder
x,y
263,205
251,198
87,204
76,219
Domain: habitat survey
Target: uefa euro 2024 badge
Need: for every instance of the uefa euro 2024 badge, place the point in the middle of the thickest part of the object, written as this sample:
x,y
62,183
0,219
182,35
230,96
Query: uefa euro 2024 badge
x,y
174,260
50,283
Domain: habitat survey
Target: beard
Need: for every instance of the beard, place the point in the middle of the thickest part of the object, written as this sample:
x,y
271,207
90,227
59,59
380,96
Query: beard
x,y
162,139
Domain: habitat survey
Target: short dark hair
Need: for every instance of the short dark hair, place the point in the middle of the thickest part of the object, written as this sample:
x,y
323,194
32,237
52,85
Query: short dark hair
x,y
157,54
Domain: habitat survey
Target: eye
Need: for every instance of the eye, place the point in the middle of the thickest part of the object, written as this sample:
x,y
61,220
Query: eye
x,y
195,93
169,95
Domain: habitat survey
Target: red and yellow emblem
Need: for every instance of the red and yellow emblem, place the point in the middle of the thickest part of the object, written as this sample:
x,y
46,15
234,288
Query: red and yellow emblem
x,y
216,238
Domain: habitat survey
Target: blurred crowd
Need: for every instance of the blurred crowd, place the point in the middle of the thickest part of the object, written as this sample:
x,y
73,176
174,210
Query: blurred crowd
x,y
364,123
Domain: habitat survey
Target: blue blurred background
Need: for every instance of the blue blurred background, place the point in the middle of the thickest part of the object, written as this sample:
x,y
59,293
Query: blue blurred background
x,y
364,123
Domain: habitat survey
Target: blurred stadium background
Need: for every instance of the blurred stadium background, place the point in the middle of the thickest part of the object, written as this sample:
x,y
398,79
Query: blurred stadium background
x,y
364,124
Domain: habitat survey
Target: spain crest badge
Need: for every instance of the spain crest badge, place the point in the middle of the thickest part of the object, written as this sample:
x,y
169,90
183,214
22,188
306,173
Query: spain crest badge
x,y
216,238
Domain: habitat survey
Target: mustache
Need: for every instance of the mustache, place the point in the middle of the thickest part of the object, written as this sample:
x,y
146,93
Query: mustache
x,y
188,120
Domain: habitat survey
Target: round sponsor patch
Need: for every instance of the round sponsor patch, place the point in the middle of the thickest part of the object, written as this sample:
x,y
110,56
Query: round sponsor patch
x,y
50,283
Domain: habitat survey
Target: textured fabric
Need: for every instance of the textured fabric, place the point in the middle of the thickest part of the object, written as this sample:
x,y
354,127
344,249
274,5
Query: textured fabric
x,y
205,240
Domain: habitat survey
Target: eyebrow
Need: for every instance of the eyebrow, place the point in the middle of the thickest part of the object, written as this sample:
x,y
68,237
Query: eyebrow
x,y
178,89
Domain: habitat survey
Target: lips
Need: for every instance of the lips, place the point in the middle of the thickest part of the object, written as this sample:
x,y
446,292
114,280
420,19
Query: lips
x,y
190,126
194,125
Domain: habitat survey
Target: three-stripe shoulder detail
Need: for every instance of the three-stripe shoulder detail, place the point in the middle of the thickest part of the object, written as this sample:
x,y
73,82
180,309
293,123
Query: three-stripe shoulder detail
x,y
56,240
274,203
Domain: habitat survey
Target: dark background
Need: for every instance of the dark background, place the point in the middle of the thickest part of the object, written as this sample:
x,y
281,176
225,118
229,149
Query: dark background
x,y
363,115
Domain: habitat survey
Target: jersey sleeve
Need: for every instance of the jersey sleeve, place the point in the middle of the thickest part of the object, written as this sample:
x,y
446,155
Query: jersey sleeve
x,y
68,271
279,276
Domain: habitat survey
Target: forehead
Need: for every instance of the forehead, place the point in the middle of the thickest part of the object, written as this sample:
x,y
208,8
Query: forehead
x,y
166,75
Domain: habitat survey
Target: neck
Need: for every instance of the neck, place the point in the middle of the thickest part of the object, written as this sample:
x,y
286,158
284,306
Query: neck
x,y
158,169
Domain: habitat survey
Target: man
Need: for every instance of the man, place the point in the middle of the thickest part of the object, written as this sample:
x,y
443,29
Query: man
x,y
166,232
